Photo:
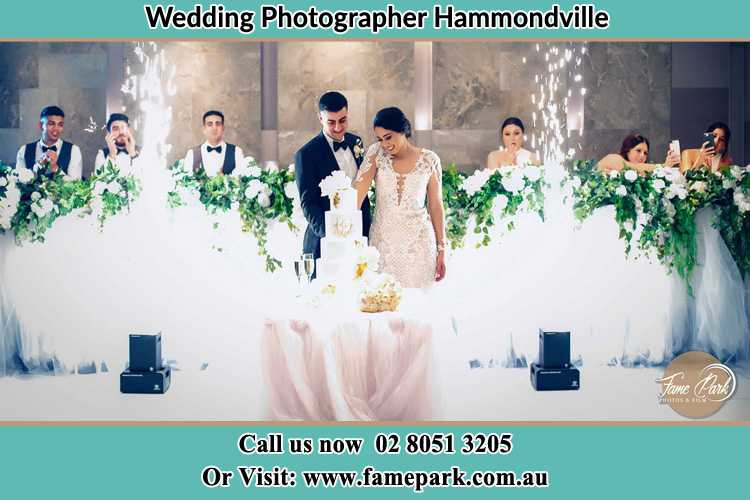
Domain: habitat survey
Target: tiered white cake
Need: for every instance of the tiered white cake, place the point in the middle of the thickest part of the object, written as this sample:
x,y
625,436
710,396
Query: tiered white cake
x,y
343,240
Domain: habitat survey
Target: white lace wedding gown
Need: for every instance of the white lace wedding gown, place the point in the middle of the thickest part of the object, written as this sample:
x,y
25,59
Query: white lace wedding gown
x,y
401,229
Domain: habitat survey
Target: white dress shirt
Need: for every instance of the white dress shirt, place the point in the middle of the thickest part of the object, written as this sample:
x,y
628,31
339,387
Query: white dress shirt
x,y
345,159
123,161
74,167
214,161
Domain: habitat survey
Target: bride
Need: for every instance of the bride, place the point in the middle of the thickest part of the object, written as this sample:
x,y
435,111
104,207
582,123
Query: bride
x,y
409,234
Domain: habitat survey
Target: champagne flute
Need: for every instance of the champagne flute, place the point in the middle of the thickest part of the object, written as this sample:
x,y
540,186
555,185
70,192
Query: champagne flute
x,y
298,272
308,261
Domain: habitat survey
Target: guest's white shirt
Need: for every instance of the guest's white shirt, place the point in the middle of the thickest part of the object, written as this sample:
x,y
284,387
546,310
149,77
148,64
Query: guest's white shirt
x,y
345,159
123,161
214,161
74,167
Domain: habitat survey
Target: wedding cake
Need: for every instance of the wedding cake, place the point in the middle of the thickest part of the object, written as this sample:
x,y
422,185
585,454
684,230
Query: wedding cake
x,y
343,242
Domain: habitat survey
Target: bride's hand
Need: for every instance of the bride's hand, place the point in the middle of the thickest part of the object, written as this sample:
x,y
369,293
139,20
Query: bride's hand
x,y
440,266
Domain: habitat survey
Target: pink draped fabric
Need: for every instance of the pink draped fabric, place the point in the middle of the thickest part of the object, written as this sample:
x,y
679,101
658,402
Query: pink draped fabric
x,y
372,368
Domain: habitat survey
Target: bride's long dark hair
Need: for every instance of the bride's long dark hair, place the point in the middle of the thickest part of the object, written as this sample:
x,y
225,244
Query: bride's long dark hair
x,y
392,119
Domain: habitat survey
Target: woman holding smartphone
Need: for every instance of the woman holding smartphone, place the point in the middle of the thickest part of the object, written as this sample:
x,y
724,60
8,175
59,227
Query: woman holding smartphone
x,y
634,155
714,151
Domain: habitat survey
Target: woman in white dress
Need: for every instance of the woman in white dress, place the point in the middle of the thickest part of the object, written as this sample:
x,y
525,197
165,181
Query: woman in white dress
x,y
717,322
512,133
408,227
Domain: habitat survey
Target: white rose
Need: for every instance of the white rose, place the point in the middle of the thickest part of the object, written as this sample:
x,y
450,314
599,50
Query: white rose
x,y
729,184
290,168
47,205
12,195
253,188
3,182
513,184
24,175
99,188
698,187
254,171
290,190
500,203
264,198
576,182
614,174
659,184
532,173
621,191
35,196
631,175
506,170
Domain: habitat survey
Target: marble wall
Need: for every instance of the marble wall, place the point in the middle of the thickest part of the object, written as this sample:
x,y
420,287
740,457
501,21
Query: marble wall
x,y
477,86
222,76
34,75
372,75
629,89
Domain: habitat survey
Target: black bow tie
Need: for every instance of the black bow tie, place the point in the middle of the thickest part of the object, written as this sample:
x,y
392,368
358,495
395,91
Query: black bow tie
x,y
51,148
217,149
339,145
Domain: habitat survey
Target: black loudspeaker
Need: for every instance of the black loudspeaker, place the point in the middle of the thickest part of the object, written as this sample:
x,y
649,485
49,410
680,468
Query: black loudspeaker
x,y
555,379
145,353
156,382
554,349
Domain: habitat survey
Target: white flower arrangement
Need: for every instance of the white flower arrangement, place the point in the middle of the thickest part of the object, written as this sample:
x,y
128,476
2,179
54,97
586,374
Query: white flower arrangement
x,y
621,191
476,181
366,262
334,182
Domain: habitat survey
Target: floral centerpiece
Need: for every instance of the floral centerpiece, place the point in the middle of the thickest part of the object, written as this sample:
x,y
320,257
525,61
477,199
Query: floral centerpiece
x,y
260,196
488,197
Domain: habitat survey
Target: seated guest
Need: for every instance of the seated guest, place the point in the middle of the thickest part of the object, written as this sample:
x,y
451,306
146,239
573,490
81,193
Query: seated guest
x,y
634,155
120,144
713,156
51,151
512,153
214,155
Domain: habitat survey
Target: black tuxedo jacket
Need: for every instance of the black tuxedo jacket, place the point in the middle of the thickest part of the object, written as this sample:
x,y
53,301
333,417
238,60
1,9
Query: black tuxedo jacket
x,y
314,162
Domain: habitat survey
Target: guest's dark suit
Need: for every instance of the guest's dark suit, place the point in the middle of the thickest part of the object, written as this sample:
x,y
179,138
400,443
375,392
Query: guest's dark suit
x,y
314,162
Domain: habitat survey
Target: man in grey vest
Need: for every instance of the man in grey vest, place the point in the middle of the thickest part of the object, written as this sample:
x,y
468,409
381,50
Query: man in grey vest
x,y
214,156
51,151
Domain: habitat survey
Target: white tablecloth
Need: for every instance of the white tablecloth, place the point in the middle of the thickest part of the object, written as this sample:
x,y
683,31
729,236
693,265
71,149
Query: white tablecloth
x,y
325,364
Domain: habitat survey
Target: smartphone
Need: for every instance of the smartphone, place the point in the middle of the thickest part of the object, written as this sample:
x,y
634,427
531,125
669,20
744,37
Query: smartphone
x,y
675,147
708,137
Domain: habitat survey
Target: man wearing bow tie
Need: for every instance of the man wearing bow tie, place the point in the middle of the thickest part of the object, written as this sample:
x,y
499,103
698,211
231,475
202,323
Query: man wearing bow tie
x,y
214,156
51,151
120,144
332,149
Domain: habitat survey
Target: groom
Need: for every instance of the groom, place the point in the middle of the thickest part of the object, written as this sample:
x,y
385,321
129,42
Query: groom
x,y
332,149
